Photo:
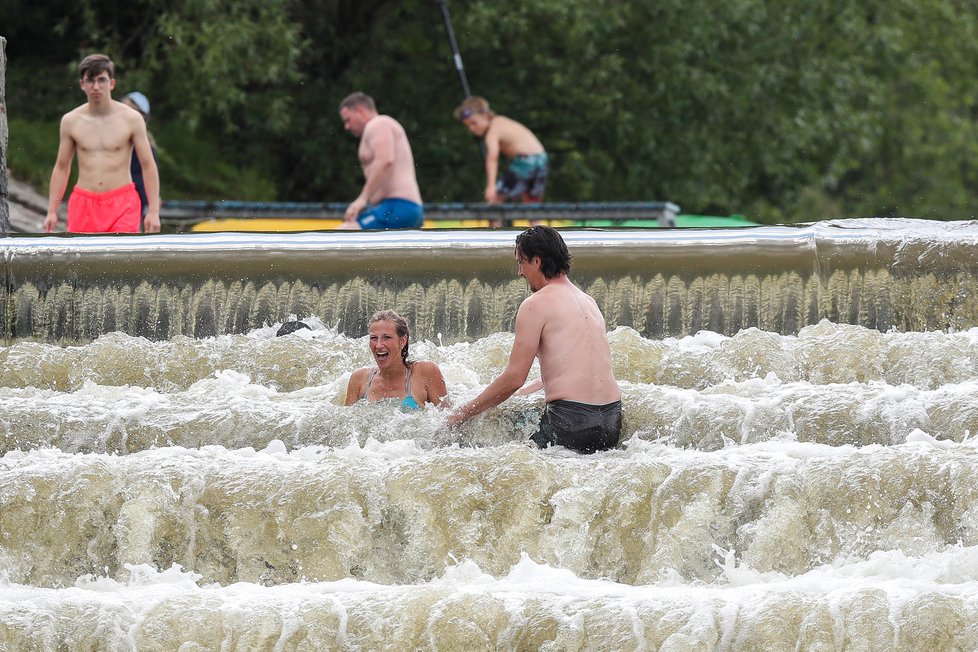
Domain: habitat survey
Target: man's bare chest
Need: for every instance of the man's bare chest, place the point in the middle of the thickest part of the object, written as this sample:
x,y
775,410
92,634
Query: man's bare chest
x,y
102,136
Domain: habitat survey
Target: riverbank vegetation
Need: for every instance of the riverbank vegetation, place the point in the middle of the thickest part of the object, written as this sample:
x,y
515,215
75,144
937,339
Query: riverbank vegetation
x,y
788,111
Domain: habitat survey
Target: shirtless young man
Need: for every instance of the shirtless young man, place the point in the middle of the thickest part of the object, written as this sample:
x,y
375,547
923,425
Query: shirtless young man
x,y
104,133
390,198
562,327
526,177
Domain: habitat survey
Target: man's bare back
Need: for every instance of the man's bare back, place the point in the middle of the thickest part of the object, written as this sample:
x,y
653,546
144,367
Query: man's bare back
x,y
512,138
562,327
386,155
574,354
390,197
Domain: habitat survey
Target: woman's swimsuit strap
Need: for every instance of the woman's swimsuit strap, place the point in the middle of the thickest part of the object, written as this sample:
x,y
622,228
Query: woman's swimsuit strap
x,y
408,403
370,379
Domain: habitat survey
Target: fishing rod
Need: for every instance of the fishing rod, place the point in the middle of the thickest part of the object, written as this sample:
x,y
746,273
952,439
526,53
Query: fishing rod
x,y
457,59
456,55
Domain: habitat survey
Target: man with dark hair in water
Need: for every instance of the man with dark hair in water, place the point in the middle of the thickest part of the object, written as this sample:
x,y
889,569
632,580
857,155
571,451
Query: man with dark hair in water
x,y
290,327
563,327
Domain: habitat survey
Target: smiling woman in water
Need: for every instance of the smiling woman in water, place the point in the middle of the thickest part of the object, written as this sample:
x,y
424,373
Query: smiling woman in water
x,y
395,377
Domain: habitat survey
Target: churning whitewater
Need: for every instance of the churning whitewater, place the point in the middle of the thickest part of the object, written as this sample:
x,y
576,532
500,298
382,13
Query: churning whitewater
x,y
816,490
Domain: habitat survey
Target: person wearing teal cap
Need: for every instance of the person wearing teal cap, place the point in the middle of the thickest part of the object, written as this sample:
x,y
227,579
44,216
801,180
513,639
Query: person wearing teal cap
x,y
140,103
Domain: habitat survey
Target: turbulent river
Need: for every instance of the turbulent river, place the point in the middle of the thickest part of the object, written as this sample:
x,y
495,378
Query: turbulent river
x,y
805,480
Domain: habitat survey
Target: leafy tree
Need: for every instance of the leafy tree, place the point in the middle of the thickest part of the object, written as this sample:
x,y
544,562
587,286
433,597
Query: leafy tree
x,y
921,157
218,66
785,110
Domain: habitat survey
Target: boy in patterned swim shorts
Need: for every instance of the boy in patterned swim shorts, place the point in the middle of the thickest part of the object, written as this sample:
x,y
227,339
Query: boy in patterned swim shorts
x,y
525,179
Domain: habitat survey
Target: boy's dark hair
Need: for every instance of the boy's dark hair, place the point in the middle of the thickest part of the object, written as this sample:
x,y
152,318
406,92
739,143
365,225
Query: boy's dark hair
x,y
95,64
290,327
544,242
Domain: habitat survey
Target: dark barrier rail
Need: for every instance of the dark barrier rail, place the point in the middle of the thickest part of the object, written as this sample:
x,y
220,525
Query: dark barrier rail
x,y
883,274
180,215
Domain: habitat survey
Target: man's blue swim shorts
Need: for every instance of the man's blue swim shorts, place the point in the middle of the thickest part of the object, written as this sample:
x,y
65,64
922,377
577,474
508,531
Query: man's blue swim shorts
x,y
392,214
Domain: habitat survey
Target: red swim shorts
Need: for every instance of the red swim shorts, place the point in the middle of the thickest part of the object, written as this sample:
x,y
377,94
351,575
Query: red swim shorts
x,y
115,211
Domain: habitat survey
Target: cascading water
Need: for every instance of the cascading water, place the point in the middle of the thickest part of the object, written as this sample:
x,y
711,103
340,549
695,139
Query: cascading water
x,y
798,468
463,285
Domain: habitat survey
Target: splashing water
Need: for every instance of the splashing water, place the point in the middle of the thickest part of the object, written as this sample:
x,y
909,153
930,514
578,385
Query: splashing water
x,y
813,487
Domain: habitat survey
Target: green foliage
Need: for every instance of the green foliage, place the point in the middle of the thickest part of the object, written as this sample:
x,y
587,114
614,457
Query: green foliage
x,y
202,168
923,158
783,111
32,149
223,63
192,167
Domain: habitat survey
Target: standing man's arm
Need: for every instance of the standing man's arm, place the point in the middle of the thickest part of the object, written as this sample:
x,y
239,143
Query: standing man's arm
x,y
529,329
492,166
60,174
379,139
151,176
